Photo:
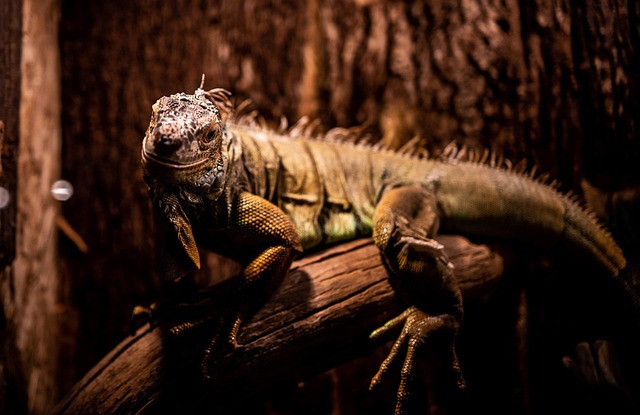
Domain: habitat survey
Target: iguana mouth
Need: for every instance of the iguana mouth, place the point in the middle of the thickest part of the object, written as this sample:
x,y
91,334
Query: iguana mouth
x,y
170,163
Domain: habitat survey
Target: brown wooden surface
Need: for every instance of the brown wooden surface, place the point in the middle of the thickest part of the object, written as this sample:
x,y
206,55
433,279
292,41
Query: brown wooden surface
x,y
320,316
34,307
30,165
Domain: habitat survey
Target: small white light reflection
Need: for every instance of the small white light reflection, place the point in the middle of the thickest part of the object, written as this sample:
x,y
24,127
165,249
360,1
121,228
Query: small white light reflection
x,y
62,190
5,197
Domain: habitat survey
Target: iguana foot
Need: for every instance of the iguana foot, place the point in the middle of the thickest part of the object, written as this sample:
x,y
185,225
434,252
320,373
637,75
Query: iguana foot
x,y
212,317
155,312
208,315
417,328
182,291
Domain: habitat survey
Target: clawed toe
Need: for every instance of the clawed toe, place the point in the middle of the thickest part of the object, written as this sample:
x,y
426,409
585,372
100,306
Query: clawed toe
x,y
142,315
217,329
417,329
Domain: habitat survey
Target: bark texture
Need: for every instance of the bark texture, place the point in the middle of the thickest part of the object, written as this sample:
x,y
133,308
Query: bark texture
x,y
36,282
30,285
320,316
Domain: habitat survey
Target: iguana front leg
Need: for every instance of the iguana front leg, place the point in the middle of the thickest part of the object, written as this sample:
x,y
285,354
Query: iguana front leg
x,y
261,226
177,255
404,220
251,230
261,236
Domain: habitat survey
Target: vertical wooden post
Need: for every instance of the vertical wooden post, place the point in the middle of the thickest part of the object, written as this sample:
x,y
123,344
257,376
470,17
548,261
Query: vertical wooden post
x,y
30,164
12,389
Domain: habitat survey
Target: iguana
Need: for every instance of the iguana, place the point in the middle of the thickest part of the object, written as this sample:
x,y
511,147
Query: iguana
x,y
262,198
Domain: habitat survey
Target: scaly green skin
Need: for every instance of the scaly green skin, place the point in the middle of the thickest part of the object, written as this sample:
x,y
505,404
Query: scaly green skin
x,y
331,190
261,197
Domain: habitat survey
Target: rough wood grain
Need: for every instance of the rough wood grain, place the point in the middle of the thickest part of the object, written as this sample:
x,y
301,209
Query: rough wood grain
x,y
29,291
321,315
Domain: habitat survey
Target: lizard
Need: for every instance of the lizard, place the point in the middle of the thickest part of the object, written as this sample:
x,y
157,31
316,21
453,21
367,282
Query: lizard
x,y
263,198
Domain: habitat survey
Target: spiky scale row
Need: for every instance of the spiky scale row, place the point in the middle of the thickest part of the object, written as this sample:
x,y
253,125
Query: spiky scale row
x,y
354,140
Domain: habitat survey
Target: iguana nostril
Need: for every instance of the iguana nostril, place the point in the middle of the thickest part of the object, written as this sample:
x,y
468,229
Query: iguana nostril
x,y
166,145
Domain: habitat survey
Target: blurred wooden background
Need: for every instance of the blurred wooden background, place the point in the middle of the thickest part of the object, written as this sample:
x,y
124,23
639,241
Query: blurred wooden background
x,y
554,82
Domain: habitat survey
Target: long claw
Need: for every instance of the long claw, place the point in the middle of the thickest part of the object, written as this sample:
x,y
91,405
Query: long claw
x,y
189,326
386,364
406,376
417,328
457,370
232,339
208,352
390,325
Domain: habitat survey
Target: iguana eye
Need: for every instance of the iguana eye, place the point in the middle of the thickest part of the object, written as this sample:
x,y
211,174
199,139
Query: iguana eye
x,y
210,135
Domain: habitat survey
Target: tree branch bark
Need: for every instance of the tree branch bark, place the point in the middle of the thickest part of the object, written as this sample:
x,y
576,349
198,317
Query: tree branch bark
x,y
321,315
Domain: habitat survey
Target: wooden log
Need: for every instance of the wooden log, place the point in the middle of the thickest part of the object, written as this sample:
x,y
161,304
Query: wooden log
x,y
322,314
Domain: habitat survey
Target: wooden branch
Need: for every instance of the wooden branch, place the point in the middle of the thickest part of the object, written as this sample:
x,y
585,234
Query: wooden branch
x,y
321,314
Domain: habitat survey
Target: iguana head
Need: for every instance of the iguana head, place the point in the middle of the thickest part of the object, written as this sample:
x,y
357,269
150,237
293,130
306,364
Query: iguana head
x,y
183,145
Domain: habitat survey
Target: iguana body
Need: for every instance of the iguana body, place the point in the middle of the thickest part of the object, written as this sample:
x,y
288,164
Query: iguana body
x,y
261,197
331,190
